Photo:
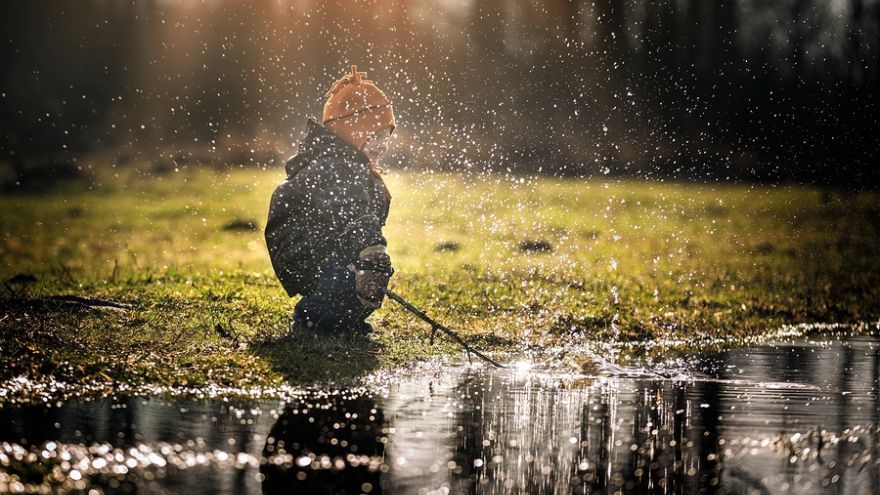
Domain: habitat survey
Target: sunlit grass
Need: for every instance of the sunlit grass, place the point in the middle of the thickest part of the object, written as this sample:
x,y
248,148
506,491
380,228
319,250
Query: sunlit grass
x,y
512,263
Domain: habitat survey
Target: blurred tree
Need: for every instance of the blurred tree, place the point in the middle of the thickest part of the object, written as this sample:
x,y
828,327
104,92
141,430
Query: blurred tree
x,y
799,33
855,52
610,28
488,27
724,46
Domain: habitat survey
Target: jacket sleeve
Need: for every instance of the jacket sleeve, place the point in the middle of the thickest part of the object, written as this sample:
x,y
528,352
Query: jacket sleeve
x,y
343,204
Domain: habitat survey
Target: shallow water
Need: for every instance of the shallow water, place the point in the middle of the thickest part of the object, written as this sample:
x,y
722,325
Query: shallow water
x,y
798,417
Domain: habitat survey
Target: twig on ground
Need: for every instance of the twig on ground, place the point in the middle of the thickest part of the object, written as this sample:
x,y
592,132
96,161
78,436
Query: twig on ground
x,y
99,304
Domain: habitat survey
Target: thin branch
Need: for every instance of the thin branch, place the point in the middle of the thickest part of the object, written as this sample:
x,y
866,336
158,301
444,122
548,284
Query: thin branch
x,y
437,326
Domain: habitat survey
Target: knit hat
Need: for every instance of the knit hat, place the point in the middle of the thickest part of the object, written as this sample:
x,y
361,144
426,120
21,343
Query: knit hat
x,y
355,108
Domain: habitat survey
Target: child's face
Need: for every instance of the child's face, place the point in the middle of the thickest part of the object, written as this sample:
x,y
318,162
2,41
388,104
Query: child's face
x,y
377,144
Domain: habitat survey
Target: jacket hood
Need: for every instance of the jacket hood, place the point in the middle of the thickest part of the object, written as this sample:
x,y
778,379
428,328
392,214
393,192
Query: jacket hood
x,y
320,141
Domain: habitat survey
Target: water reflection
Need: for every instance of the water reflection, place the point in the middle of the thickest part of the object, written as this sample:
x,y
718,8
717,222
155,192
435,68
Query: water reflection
x,y
335,448
541,434
794,418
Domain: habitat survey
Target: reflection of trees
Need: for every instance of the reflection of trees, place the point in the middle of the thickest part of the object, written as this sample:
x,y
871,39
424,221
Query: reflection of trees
x,y
470,433
845,376
515,433
107,421
875,379
595,438
649,439
646,443
28,424
326,446
708,456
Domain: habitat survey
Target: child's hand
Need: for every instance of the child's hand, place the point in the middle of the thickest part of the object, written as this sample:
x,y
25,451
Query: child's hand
x,y
372,271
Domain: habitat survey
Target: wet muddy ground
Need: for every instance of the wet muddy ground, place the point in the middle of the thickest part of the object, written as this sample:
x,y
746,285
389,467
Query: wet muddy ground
x,y
791,417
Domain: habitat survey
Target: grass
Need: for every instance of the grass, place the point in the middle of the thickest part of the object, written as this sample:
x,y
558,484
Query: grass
x,y
514,264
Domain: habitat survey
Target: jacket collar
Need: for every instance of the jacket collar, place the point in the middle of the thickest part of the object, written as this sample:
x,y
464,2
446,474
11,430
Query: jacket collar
x,y
320,138
322,142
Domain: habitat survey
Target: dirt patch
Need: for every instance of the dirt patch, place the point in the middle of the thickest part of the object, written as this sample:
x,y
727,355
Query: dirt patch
x,y
447,246
240,225
534,246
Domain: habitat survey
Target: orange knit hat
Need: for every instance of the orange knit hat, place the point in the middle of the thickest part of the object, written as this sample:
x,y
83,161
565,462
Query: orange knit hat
x,y
355,108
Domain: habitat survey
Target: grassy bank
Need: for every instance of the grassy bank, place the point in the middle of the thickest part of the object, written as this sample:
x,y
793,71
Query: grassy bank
x,y
513,264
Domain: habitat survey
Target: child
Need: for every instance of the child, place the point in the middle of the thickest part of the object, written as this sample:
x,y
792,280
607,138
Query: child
x,y
325,220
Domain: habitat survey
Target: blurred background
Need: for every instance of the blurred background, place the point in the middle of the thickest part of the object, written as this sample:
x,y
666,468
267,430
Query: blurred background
x,y
727,90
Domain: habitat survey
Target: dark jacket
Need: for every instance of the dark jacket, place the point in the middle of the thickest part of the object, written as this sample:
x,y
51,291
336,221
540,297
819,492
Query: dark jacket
x,y
329,208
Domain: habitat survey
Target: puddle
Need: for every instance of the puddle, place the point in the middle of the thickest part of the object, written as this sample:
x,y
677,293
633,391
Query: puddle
x,y
798,417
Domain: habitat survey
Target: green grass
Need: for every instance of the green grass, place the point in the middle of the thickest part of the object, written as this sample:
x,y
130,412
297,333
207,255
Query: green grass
x,y
628,261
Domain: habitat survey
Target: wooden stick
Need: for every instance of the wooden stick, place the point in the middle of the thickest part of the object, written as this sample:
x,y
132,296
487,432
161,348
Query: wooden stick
x,y
437,326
